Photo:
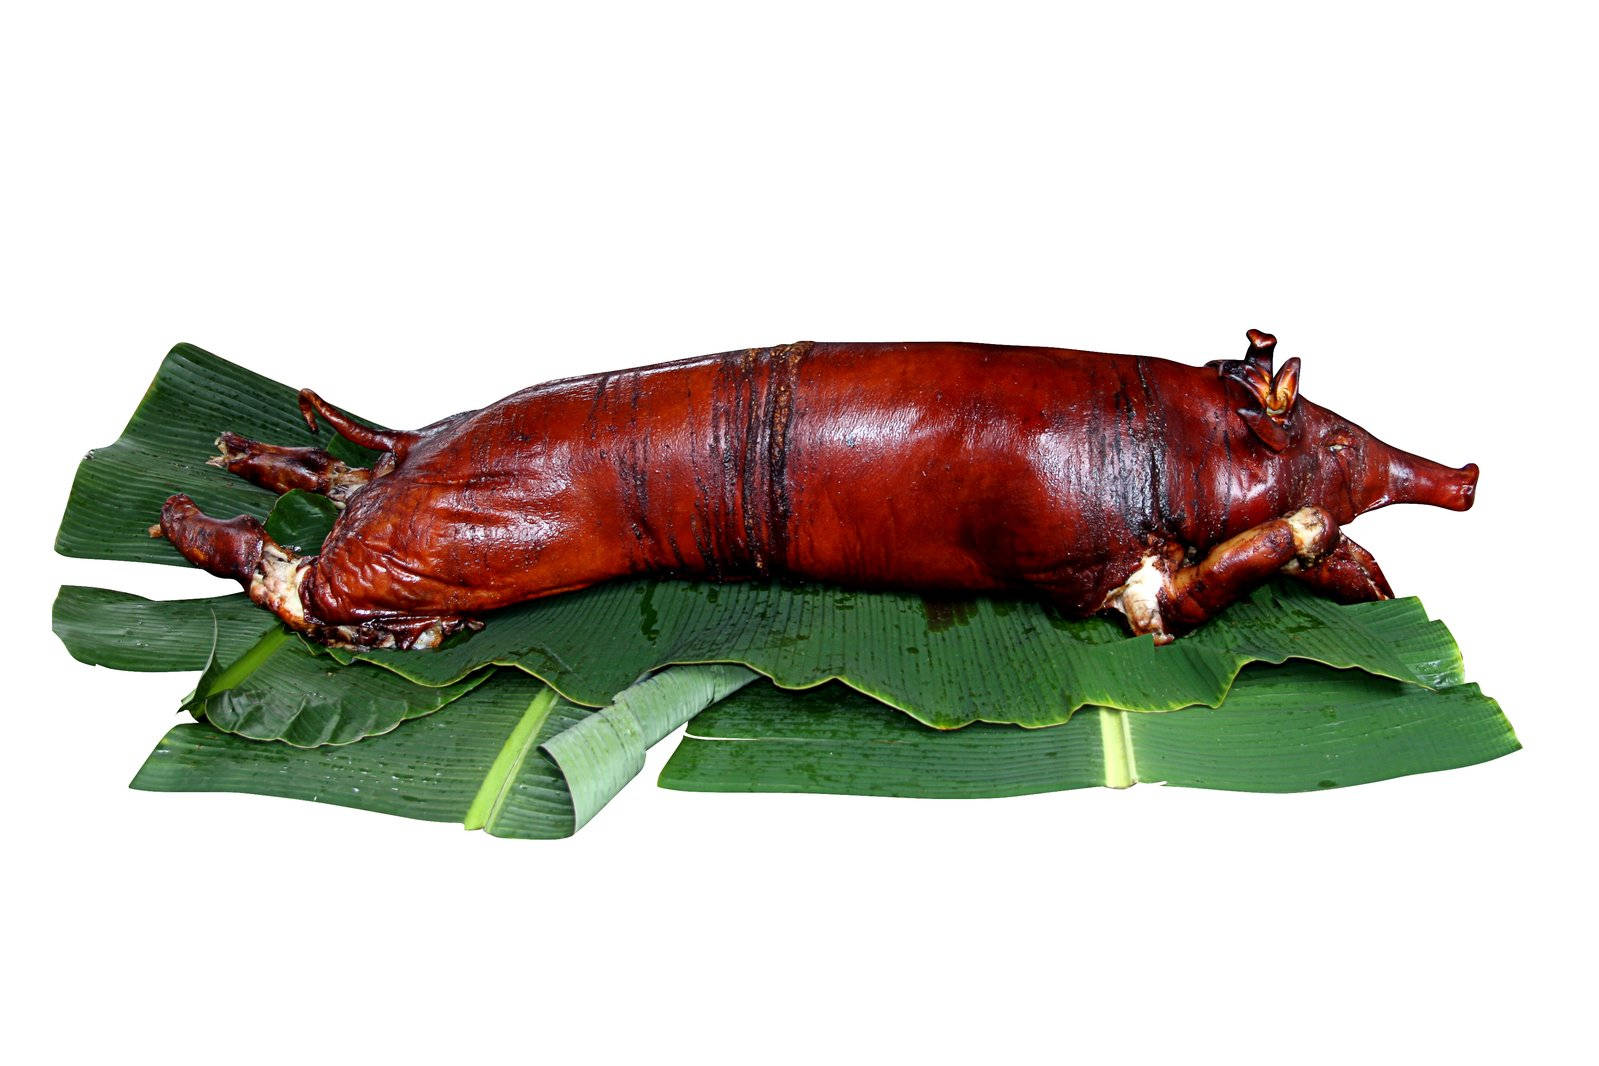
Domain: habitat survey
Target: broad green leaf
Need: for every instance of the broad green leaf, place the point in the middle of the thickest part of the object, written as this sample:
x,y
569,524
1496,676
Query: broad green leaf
x,y
1291,728
300,521
946,664
832,739
435,768
281,689
1300,727
265,683
126,632
508,757
119,489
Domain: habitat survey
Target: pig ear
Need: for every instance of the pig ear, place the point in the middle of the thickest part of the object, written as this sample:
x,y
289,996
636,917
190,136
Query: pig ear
x,y
1270,408
1284,390
1272,433
1261,348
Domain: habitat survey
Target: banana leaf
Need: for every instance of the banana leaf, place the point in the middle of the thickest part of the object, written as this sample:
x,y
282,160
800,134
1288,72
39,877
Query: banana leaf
x,y
122,631
259,680
284,689
509,755
476,761
947,663
1290,728
602,753
119,489
276,687
300,521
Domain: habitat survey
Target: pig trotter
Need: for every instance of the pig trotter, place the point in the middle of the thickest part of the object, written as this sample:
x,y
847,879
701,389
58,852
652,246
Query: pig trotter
x,y
241,549
281,469
1348,574
225,547
378,440
1161,600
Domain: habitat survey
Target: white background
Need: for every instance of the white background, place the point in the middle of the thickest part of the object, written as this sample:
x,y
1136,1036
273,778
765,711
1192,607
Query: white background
x,y
419,211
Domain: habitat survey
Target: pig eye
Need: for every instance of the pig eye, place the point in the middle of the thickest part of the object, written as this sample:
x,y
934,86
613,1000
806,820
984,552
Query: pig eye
x,y
1337,443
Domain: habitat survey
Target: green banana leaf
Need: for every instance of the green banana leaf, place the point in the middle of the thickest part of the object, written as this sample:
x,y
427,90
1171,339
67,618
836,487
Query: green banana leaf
x,y
947,663
260,681
475,761
510,757
284,689
1291,728
602,753
1284,728
119,489
300,521
122,631
276,687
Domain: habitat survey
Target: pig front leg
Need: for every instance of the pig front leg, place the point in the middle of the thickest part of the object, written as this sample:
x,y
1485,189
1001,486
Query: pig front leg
x,y
1347,574
1161,600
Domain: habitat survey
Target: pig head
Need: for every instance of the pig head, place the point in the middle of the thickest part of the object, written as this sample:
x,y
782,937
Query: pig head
x,y
1321,458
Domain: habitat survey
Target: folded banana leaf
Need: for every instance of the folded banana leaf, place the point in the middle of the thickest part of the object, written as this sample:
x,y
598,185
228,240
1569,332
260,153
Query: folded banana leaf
x,y
261,681
510,757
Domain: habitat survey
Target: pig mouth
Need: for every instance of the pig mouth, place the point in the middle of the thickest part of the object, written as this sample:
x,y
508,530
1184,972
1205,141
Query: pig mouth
x,y
1461,492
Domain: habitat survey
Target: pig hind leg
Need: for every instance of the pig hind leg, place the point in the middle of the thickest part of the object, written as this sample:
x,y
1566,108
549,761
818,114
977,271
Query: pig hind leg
x,y
1161,600
240,548
281,469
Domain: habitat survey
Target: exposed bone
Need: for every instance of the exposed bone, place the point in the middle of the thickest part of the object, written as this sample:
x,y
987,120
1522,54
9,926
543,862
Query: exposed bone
x,y
276,584
1139,598
1310,526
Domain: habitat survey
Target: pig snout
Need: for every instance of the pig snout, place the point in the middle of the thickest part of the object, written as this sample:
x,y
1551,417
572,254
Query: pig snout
x,y
1412,479
1465,488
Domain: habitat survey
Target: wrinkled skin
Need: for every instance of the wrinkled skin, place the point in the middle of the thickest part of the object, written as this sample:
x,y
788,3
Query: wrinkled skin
x,y
1093,481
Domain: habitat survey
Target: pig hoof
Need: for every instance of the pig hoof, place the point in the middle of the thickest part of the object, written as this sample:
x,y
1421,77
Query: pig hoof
x,y
283,469
1315,531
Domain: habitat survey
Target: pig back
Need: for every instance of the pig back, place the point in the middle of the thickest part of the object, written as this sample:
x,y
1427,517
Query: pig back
x,y
974,466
